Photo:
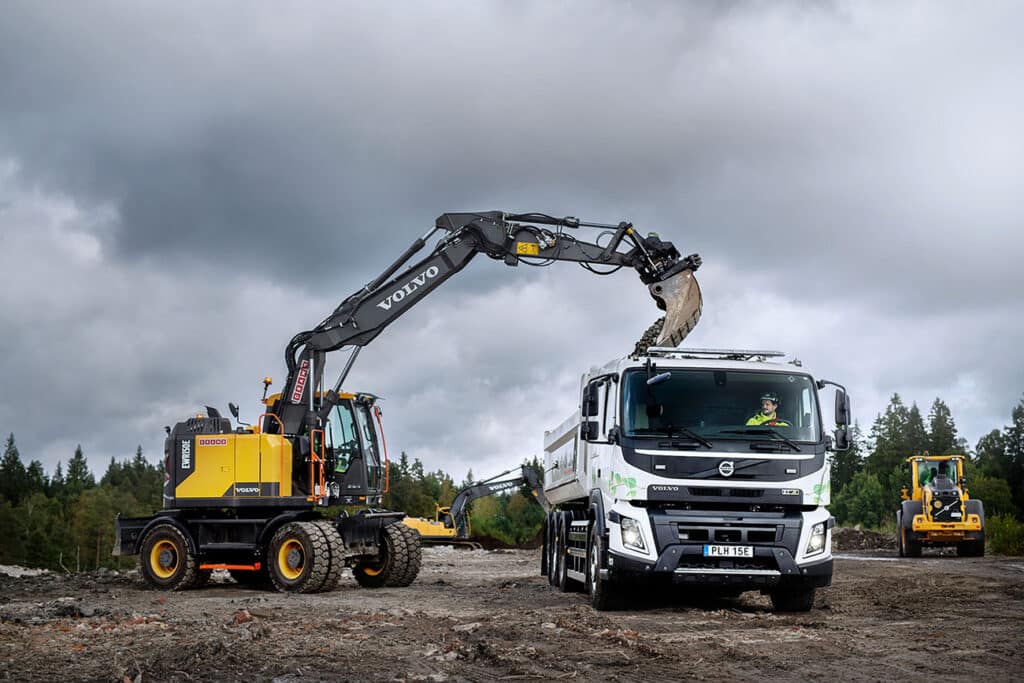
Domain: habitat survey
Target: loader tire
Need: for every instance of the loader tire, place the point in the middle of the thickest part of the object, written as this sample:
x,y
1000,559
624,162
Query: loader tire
x,y
336,548
299,558
398,562
911,544
166,560
971,548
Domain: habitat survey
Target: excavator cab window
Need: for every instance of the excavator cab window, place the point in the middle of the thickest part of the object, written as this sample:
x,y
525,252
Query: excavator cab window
x,y
371,449
344,438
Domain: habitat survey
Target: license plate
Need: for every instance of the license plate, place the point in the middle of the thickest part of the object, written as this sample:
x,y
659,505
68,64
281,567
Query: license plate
x,y
728,551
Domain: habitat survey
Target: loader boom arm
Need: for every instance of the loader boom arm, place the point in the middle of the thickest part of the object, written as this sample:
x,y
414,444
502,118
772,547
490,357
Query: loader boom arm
x,y
509,237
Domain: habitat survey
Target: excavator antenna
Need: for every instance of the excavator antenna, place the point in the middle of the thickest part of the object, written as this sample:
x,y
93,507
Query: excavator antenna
x,y
679,296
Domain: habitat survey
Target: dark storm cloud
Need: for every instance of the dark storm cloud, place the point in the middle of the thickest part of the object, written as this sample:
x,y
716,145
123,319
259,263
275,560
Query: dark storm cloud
x,y
850,172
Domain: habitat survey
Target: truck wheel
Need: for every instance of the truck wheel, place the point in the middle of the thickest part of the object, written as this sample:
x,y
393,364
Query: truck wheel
x,y
598,589
564,582
299,558
336,548
544,549
398,562
552,549
798,598
165,559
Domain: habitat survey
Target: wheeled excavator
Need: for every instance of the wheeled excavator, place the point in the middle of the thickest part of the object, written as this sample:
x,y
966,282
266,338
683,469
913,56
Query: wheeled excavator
x,y
249,498
450,525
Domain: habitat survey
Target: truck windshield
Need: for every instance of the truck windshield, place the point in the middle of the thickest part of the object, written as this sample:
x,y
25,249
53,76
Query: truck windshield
x,y
721,404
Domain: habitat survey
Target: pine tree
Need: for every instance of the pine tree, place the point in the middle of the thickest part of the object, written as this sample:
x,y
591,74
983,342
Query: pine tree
x,y
1013,445
13,477
36,481
942,436
79,478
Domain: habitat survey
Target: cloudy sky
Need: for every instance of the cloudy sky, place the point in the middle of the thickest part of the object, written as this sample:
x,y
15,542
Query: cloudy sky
x,y
183,186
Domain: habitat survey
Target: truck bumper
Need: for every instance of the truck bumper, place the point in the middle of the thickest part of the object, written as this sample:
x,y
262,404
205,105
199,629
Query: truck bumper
x,y
686,564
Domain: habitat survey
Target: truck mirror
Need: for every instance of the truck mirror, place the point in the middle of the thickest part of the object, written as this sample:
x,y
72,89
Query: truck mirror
x,y
842,439
842,408
590,402
589,431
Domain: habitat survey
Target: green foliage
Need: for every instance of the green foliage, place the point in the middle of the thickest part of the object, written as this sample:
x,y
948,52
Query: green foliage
x,y
1004,535
993,493
862,502
845,464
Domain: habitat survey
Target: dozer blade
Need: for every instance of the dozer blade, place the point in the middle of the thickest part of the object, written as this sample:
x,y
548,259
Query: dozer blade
x,y
679,296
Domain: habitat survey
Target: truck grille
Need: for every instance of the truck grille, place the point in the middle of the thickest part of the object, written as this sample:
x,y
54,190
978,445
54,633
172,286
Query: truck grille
x,y
767,534
718,492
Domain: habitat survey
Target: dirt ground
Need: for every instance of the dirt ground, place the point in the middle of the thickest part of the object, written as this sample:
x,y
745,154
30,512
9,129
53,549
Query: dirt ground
x,y
482,615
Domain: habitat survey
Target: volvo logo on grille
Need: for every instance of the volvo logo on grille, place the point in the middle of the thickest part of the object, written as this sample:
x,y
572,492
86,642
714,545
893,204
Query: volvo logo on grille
x,y
726,468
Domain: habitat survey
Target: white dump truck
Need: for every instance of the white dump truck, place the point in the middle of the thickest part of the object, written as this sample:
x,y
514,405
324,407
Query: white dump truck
x,y
705,467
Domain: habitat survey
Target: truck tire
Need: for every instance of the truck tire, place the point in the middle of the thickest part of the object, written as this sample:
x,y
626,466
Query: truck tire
x,y
598,590
336,548
299,558
552,548
165,559
544,549
792,598
565,584
398,562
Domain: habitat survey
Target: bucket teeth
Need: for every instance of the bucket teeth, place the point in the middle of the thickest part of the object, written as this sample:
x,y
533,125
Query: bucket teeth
x,y
679,296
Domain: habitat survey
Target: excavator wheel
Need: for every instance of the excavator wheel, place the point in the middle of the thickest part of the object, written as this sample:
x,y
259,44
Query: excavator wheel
x,y
165,559
398,563
336,547
299,558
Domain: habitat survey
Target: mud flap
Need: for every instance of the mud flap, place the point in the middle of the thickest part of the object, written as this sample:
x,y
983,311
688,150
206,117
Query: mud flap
x,y
679,296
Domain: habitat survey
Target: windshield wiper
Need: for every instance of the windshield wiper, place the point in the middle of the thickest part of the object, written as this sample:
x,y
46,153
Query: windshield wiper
x,y
686,431
763,430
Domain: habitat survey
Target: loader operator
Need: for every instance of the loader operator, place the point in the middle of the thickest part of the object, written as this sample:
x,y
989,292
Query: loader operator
x,y
768,416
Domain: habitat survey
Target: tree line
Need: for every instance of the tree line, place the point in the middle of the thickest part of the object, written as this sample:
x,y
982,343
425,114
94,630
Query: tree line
x,y
64,520
867,478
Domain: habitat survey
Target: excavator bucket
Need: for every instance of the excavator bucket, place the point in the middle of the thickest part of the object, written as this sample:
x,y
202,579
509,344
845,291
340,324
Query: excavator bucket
x,y
679,296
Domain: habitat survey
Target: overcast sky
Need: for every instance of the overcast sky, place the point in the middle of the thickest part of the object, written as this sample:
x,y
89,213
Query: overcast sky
x,y
183,187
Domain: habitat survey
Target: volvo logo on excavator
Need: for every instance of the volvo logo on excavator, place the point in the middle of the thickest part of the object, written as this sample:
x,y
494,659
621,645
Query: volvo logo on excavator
x,y
409,287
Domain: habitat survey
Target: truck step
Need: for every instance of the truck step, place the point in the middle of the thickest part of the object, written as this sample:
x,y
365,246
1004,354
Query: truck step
x,y
576,576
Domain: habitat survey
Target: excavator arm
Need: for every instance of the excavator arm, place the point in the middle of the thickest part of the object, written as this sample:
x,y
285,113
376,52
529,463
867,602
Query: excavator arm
x,y
535,238
490,487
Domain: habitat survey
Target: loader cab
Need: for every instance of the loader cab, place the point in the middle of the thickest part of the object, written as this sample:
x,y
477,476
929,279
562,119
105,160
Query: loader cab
x,y
926,470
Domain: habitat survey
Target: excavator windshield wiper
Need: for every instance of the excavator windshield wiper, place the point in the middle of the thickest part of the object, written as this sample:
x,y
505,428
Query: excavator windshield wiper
x,y
764,430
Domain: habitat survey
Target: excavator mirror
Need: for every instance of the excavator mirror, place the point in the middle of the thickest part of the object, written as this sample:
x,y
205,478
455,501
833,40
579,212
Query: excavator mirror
x,y
233,409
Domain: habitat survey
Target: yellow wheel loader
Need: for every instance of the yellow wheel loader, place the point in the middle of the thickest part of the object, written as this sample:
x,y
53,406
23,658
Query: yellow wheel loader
x,y
937,511
249,498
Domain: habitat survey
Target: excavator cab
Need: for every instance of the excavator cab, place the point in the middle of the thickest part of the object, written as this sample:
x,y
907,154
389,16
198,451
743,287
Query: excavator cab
x,y
354,454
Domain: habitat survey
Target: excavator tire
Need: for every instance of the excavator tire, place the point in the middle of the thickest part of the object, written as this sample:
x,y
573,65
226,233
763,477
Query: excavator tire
x,y
166,560
299,557
337,550
398,563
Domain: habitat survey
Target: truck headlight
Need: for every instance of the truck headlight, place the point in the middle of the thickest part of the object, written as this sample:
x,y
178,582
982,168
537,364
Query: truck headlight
x,y
816,543
632,537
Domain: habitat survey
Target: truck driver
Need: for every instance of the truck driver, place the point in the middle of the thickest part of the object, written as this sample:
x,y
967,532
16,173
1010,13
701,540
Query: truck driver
x,y
768,416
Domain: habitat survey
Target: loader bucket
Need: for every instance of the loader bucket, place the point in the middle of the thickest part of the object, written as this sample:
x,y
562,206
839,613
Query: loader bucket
x,y
679,296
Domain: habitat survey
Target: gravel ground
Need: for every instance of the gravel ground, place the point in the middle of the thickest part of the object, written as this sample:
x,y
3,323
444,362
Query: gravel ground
x,y
486,615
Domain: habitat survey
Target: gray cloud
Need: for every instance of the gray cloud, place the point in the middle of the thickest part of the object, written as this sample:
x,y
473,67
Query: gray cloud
x,y
850,172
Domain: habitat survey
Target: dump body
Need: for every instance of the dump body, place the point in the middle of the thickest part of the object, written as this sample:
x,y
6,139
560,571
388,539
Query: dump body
x,y
665,473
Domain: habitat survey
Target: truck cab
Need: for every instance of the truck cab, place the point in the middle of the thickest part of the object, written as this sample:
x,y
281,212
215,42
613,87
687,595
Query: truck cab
x,y
678,468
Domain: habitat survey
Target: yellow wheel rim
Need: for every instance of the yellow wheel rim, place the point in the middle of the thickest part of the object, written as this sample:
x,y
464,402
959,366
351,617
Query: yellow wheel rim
x,y
291,558
163,559
370,571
